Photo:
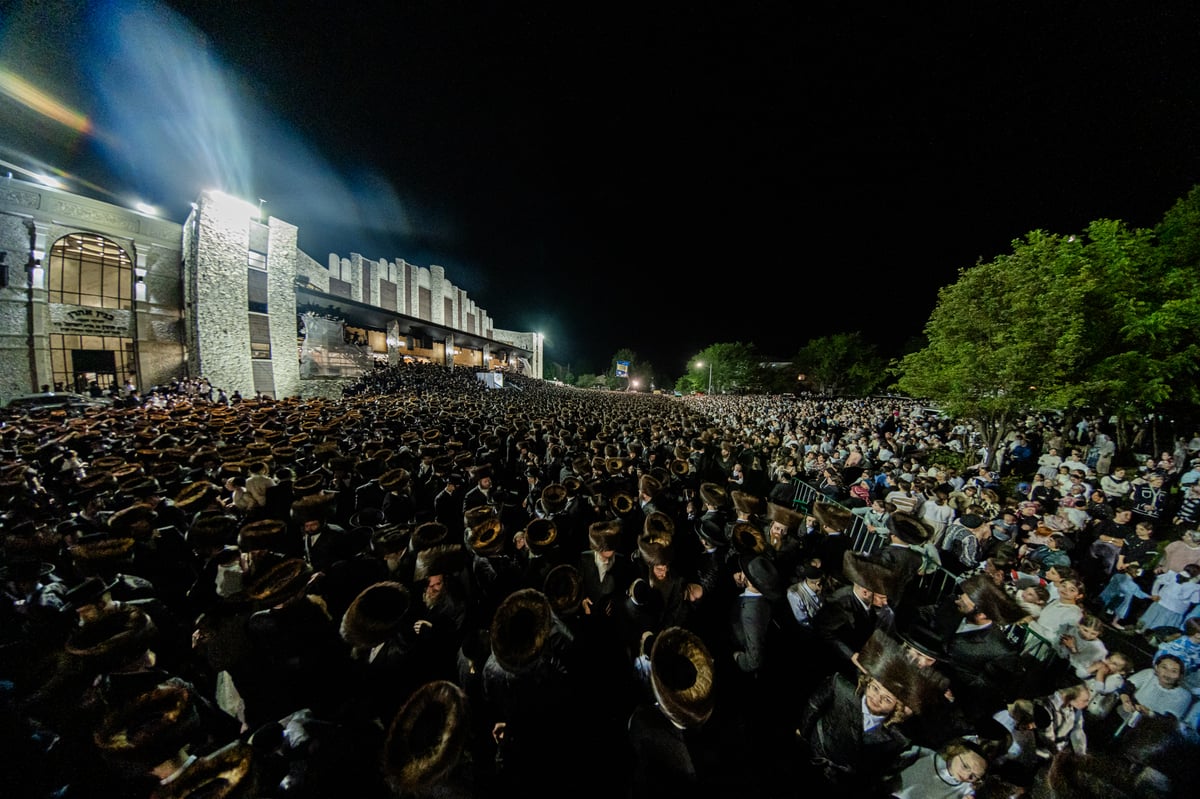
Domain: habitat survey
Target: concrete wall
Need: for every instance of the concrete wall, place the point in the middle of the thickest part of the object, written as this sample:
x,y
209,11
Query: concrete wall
x,y
32,218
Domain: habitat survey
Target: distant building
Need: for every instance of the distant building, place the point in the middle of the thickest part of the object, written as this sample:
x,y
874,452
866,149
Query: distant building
x,y
91,291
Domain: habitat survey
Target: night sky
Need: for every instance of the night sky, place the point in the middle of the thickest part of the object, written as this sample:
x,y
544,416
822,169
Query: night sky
x,y
658,176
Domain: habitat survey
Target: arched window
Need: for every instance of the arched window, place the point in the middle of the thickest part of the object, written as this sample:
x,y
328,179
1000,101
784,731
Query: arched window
x,y
86,269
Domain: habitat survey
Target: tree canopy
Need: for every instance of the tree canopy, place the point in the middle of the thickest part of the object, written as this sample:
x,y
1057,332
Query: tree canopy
x,y
1103,321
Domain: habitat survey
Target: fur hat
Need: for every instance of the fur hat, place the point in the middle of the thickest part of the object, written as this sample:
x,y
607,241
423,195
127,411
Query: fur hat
x,y
100,549
520,628
747,539
483,530
277,584
554,498
832,516
992,600
307,484
655,550
123,521
714,494
375,614
394,479
426,738
604,535
658,526
151,727
429,534
909,528
883,658
227,773
541,535
263,534
785,516
113,639
623,503
312,507
681,677
212,530
865,572
563,588
440,560
745,504
650,485
196,495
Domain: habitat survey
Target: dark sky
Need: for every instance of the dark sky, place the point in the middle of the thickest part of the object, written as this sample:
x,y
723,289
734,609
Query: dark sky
x,y
658,176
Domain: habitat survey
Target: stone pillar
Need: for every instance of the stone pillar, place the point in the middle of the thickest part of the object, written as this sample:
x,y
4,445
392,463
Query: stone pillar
x,y
393,344
39,308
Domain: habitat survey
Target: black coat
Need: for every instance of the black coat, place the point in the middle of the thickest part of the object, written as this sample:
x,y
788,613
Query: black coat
x,y
832,726
844,625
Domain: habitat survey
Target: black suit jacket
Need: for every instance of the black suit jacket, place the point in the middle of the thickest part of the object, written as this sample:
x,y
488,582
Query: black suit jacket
x,y
844,625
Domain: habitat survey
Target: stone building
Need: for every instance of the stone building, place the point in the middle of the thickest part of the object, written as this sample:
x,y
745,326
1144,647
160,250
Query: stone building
x,y
91,291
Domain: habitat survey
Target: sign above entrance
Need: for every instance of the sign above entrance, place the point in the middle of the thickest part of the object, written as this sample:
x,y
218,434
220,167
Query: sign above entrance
x,y
76,320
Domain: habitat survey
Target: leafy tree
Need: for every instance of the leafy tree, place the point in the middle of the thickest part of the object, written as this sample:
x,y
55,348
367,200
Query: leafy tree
x,y
987,353
735,367
844,363
1103,322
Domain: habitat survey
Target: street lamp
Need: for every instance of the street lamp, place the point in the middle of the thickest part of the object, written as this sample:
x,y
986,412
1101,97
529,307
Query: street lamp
x,y
701,365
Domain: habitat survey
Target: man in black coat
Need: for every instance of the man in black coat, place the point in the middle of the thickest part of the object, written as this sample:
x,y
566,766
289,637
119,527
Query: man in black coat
x,y
981,660
849,616
905,532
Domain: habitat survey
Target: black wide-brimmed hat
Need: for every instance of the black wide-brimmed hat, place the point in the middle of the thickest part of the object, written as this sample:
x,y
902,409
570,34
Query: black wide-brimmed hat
x,y
426,738
520,628
681,677
760,571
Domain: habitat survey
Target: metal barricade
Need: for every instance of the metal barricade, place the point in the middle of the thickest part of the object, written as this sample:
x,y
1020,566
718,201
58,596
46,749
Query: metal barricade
x,y
934,585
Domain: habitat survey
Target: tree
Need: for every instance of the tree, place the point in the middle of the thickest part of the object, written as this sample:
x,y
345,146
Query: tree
x,y
735,367
988,350
844,363
1103,322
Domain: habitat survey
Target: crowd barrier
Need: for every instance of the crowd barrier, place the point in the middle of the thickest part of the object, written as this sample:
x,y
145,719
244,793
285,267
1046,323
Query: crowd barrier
x,y
934,584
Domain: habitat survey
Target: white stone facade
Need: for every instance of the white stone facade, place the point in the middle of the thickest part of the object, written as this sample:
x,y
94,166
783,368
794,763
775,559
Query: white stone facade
x,y
188,313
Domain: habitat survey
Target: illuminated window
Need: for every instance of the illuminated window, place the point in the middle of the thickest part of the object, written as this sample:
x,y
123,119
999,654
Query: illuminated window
x,y
78,360
260,336
86,269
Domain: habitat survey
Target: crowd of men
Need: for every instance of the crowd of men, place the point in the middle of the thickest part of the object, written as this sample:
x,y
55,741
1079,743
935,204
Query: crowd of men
x,y
431,588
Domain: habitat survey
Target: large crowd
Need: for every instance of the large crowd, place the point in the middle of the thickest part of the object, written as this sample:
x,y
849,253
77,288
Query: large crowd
x,y
433,588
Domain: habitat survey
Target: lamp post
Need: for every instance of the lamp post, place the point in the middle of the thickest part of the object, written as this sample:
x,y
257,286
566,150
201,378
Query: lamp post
x,y
701,364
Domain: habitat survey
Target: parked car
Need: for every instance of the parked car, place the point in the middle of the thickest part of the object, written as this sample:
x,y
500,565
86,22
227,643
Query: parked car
x,y
56,400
